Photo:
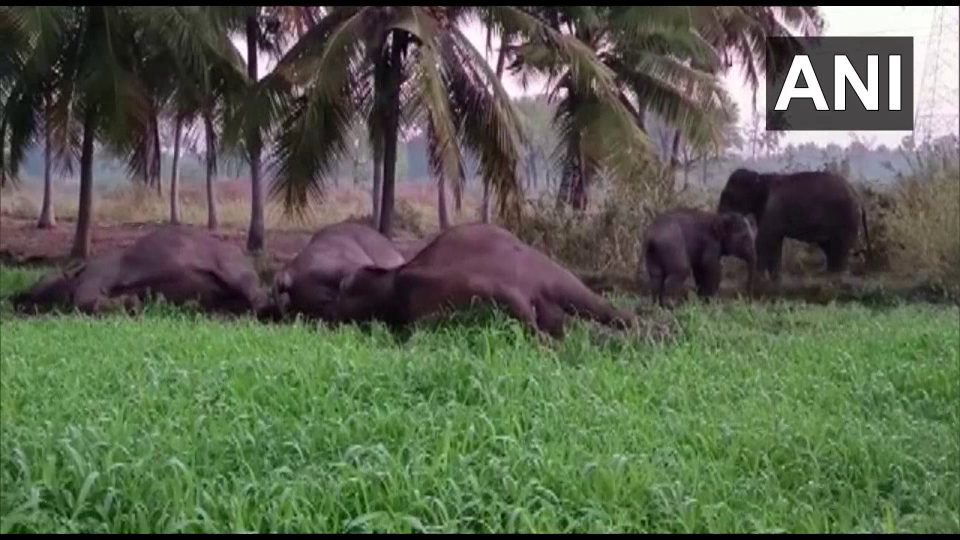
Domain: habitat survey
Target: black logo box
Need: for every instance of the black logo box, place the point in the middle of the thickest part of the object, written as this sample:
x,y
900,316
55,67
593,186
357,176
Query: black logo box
x,y
802,114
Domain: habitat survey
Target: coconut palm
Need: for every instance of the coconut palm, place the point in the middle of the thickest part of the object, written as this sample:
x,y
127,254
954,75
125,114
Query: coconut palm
x,y
252,115
203,70
394,66
84,67
27,105
651,54
97,71
739,34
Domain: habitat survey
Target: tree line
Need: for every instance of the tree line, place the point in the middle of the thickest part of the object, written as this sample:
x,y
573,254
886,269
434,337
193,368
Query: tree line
x,y
130,80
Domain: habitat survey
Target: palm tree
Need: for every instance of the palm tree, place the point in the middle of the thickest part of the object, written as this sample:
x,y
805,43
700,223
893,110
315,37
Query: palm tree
x,y
507,40
98,80
392,66
649,52
252,115
27,105
203,70
740,35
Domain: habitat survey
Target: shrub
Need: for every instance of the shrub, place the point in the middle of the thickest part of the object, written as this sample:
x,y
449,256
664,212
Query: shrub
x,y
606,238
924,223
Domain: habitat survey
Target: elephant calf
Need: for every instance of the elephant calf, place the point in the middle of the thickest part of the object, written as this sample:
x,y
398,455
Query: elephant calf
x,y
686,240
474,262
180,264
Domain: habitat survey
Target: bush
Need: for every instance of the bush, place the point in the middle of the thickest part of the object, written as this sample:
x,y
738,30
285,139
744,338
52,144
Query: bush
x,y
924,224
606,239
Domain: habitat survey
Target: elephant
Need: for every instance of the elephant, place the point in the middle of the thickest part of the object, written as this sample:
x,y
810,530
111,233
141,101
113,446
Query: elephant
x,y
687,240
181,264
309,284
474,262
816,207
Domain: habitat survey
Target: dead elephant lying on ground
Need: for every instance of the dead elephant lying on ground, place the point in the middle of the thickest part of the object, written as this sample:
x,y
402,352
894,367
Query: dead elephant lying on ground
x,y
474,262
308,284
180,264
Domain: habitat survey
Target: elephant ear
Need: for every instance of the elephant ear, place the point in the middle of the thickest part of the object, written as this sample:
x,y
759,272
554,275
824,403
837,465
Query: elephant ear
x,y
364,274
727,224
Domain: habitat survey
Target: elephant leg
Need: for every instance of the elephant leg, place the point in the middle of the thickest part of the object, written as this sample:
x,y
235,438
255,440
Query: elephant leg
x,y
837,252
550,318
102,304
656,277
673,285
519,306
769,252
707,275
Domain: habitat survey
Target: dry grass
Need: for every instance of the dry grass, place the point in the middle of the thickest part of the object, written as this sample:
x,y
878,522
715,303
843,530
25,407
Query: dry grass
x,y
415,207
606,237
924,227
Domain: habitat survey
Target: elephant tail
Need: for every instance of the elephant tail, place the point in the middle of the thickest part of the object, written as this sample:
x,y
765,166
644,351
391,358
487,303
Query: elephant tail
x,y
866,232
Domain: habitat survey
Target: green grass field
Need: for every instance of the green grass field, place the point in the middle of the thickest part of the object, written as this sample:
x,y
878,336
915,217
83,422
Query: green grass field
x,y
782,417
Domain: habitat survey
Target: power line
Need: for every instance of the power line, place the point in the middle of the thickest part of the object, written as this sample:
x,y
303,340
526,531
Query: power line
x,y
938,110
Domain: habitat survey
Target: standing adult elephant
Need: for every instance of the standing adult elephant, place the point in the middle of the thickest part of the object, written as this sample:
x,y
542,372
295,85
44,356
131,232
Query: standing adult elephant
x,y
816,207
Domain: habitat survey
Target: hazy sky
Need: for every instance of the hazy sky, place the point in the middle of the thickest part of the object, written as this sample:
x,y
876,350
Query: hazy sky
x,y
840,21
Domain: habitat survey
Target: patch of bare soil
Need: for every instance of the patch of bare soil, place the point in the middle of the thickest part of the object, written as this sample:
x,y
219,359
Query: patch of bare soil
x,y
22,243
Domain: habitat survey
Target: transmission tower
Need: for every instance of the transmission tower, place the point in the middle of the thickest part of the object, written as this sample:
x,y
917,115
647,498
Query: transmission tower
x,y
939,101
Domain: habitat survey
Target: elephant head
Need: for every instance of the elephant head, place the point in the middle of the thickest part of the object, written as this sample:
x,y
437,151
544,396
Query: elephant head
x,y
738,239
366,294
52,292
745,193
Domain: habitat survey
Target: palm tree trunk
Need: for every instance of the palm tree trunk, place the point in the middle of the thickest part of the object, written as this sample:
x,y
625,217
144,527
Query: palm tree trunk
x,y
47,217
157,156
212,221
675,151
442,204
392,132
175,174
255,235
563,192
485,205
81,239
377,184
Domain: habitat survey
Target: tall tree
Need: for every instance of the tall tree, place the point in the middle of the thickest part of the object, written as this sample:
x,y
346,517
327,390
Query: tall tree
x,y
252,116
175,172
403,64
647,53
506,41
88,65
256,234
48,218
97,68
28,67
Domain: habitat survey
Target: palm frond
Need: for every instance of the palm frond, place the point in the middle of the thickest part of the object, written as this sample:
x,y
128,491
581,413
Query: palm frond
x,y
487,123
446,163
312,136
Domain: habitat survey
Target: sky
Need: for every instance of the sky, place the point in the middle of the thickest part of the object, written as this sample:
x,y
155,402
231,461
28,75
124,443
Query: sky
x,y
912,21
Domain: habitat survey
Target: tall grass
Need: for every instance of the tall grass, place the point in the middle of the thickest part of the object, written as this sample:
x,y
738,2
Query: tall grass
x,y
924,223
781,418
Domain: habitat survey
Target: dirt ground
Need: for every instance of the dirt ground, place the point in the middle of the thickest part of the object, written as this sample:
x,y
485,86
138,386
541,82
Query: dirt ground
x,y
23,244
